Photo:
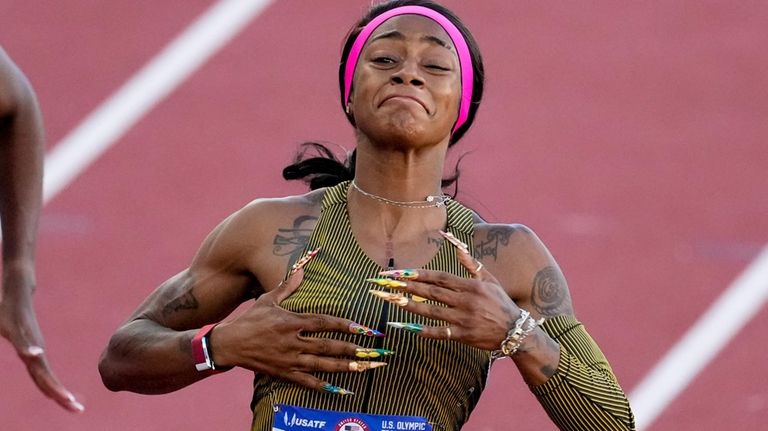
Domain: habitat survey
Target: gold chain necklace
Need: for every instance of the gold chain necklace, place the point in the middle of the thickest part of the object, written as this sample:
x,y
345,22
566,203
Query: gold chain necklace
x,y
430,201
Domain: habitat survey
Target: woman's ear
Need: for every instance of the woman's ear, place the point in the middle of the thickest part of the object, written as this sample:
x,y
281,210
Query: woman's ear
x,y
349,109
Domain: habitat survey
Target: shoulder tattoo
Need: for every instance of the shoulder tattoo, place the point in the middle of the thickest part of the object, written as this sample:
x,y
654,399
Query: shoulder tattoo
x,y
489,247
291,241
434,240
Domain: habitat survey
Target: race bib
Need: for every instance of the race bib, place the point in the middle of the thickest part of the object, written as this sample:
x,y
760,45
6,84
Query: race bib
x,y
290,418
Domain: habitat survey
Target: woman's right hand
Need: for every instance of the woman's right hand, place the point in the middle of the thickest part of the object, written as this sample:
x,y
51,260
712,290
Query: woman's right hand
x,y
269,339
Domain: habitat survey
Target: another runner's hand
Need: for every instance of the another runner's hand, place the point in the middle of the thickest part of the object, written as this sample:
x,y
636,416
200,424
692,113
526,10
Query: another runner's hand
x,y
18,324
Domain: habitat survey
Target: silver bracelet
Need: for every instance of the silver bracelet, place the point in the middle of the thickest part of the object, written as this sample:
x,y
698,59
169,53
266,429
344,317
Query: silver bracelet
x,y
524,326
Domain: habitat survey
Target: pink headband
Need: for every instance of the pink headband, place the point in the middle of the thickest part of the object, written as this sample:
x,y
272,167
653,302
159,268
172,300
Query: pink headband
x,y
465,60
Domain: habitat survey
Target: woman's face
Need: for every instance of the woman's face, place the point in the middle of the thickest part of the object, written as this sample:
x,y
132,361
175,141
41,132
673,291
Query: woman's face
x,y
407,83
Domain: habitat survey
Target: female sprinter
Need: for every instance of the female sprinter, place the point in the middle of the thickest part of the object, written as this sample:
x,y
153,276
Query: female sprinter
x,y
381,317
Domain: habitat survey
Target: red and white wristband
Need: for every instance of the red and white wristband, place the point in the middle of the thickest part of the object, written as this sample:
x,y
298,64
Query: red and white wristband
x,y
201,350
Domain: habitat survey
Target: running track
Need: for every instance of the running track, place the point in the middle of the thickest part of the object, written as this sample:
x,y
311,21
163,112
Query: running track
x,y
631,137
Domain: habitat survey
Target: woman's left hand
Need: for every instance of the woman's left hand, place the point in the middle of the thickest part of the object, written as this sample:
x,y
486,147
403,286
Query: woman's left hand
x,y
477,310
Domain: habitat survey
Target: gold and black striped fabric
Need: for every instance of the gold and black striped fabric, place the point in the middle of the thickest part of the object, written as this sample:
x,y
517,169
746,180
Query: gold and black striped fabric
x,y
436,379
583,394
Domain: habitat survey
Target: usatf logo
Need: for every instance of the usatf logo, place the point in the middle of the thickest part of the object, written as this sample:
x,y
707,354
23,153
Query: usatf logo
x,y
301,422
351,424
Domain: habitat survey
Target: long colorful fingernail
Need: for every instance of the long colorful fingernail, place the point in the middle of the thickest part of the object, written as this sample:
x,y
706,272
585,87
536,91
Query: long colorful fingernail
x,y
412,327
401,274
393,298
304,260
453,240
361,366
372,353
336,390
359,329
387,282
416,298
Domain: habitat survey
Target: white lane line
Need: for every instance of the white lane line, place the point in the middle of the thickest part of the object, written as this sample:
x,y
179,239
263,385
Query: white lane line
x,y
711,333
158,78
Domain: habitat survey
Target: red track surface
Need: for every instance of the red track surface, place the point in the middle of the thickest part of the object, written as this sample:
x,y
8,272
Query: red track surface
x,y
631,137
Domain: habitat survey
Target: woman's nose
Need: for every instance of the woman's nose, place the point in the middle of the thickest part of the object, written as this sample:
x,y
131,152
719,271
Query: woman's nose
x,y
408,73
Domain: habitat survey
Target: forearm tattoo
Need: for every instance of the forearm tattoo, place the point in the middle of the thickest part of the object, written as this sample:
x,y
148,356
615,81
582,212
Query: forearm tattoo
x,y
291,241
185,300
490,246
549,295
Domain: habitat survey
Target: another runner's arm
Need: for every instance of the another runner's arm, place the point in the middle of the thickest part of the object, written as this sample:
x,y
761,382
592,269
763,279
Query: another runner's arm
x,y
22,147
151,353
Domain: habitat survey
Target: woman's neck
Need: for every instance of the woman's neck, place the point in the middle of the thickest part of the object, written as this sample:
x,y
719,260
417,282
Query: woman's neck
x,y
386,177
400,174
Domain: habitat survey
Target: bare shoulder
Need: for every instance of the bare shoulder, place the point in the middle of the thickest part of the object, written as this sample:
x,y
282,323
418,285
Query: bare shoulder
x,y
261,221
494,242
521,262
234,263
267,212
266,235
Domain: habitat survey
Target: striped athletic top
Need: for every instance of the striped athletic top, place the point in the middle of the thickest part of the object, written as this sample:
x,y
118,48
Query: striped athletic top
x,y
436,379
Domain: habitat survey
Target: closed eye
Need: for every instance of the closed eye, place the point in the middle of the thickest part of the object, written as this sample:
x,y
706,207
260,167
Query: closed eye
x,y
438,67
384,60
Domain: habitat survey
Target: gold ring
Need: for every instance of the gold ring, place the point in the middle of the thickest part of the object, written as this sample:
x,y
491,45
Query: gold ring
x,y
479,266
